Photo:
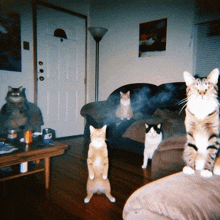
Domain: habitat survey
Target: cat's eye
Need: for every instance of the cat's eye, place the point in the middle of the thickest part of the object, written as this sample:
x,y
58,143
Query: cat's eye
x,y
15,94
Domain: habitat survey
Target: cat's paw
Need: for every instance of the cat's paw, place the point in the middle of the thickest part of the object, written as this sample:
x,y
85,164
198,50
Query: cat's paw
x,y
217,171
128,118
112,199
206,173
86,200
91,176
144,166
104,177
188,170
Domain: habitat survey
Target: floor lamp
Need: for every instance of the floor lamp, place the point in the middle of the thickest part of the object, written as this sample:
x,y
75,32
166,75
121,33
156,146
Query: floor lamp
x,y
97,33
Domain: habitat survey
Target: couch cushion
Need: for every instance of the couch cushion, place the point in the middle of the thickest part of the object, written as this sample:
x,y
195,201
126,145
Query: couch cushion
x,y
173,142
178,196
168,158
172,124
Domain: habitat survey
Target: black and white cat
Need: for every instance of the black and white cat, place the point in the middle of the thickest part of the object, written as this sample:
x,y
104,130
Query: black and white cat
x,y
153,137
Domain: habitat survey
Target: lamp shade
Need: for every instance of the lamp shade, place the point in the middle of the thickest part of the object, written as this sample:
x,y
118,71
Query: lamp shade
x,y
97,32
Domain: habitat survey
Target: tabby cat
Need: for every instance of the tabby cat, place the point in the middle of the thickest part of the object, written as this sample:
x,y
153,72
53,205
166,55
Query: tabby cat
x,y
153,137
98,164
202,123
124,110
15,109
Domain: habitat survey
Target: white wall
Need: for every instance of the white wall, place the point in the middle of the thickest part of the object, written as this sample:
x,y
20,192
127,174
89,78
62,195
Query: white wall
x,y
119,62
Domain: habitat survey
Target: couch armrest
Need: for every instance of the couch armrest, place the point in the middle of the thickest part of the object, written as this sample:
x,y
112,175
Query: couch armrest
x,y
168,158
178,196
99,111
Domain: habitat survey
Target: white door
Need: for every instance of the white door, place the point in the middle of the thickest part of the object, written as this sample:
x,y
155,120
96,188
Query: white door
x,y
61,70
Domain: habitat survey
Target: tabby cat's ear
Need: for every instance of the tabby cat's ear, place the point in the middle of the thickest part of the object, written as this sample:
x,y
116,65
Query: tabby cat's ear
x,y
21,88
91,128
10,88
213,76
189,79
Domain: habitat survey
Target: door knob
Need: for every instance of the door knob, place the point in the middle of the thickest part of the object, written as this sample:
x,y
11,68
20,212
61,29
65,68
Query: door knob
x,y
41,78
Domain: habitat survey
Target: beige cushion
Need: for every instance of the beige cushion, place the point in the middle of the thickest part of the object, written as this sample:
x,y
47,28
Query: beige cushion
x,y
172,124
168,158
178,196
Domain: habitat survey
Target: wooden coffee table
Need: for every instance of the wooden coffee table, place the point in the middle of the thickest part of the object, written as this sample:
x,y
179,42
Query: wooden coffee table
x,y
32,152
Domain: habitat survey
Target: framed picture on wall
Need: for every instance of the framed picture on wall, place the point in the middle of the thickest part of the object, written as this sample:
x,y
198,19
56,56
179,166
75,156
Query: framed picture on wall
x,y
152,37
10,41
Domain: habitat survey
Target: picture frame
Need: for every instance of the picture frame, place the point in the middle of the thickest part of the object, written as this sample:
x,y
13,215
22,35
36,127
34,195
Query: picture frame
x,y
152,37
10,40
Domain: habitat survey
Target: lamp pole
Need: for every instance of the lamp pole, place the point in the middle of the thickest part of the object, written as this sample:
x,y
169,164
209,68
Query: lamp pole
x,y
97,33
97,73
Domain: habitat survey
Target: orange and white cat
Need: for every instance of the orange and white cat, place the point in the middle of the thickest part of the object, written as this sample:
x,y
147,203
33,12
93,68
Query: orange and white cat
x,y
124,110
98,164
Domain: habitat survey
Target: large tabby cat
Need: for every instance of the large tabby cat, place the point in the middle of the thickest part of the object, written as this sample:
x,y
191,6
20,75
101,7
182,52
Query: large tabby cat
x,y
15,109
202,123
153,137
124,110
98,164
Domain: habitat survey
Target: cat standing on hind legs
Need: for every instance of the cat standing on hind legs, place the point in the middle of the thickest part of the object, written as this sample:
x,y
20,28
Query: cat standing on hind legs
x,y
98,164
202,123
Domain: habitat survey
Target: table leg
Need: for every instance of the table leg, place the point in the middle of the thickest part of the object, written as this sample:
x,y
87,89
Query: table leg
x,y
47,172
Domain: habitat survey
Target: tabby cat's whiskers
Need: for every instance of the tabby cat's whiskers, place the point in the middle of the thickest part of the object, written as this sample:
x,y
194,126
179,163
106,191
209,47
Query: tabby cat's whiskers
x,y
183,101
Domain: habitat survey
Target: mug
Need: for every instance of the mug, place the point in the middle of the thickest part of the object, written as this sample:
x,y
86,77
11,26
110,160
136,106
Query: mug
x,y
48,135
12,134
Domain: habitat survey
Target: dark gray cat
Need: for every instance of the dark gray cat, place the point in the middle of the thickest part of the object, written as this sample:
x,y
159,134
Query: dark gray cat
x,y
18,114
15,109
